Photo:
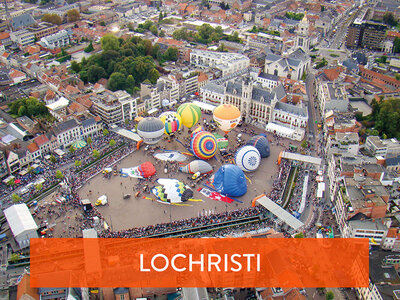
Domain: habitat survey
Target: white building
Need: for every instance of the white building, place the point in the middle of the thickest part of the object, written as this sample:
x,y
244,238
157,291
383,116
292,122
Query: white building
x,y
22,37
332,97
58,40
67,132
385,148
291,66
374,230
228,63
268,81
22,224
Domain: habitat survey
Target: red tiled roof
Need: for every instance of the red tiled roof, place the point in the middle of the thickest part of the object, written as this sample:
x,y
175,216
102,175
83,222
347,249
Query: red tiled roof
x,y
4,35
333,74
70,90
32,147
15,74
41,140
24,288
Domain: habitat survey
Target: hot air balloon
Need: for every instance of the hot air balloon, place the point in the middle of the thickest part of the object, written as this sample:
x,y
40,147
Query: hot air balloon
x,y
261,143
226,116
197,166
172,191
172,121
230,180
204,145
190,114
248,158
196,131
150,130
145,170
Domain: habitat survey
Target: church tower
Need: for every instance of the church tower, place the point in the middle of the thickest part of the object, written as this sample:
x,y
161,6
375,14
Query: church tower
x,y
302,32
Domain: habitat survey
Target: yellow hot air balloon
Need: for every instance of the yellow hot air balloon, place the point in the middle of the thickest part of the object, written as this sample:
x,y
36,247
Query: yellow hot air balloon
x,y
227,117
190,114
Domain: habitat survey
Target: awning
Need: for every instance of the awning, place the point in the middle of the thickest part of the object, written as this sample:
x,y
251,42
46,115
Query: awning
x,y
59,152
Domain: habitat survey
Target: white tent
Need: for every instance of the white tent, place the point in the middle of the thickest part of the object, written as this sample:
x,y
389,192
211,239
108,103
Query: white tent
x,y
21,223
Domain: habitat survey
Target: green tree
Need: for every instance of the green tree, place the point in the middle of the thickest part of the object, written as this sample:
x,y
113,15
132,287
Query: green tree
x,y
110,42
75,66
71,149
89,48
95,73
14,257
105,132
171,54
73,15
59,174
15,198
222,48
52,18
96,153
299,235
22,111
39,187
78,163
11,182
329,295
396,45
153,76
130,82
304,144
160,17
154,30
117,81
53,159
83,75
112,143
89,140
161,34
389,19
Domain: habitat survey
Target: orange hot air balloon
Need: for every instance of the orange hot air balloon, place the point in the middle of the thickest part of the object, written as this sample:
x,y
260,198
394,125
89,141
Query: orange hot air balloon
x,y
227,117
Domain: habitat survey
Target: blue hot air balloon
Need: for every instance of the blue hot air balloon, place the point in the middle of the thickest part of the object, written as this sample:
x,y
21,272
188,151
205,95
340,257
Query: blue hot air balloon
x,y
261,143
230,180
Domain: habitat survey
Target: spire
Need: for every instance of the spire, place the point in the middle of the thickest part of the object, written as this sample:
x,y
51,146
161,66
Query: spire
x,y
304,20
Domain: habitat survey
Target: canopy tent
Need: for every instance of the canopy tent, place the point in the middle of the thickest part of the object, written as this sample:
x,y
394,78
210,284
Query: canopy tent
x,y
204,106
79,144
127,133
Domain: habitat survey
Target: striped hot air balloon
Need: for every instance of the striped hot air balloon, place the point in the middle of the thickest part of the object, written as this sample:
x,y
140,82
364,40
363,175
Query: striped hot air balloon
x,y
197,166
172,122
190,114
204,145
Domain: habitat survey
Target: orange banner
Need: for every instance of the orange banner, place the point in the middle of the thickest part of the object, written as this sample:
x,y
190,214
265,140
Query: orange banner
x,y
227,262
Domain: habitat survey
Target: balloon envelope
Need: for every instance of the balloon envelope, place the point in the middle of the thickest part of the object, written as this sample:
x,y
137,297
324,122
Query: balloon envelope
x,y
261,143
172,122
145,170
226,116
151,130
172,191
197,166
248,158
230,180
204,145
190,114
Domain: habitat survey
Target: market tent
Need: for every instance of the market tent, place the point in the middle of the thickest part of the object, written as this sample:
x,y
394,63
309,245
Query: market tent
x,y
79,144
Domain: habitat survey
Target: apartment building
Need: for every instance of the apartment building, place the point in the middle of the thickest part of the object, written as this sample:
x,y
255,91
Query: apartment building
x,y
386,148
107,106
366,34
228,63
23,37
58,40
3,165
332,96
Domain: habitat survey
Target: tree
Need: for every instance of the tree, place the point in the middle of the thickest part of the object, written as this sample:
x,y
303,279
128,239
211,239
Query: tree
x,y
154,30
299,235
117,81
95,73
161,34
304,144
389,19
89,140
110,42
52,18
15,198
14,257
329,295
71,149
222,48
96,153
160,17
112,143
396,45
39,186
73,15
53,159
89,48
59,174
105,132
22,111
78,163
130,82
153,76
75,66
171,54
11,182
